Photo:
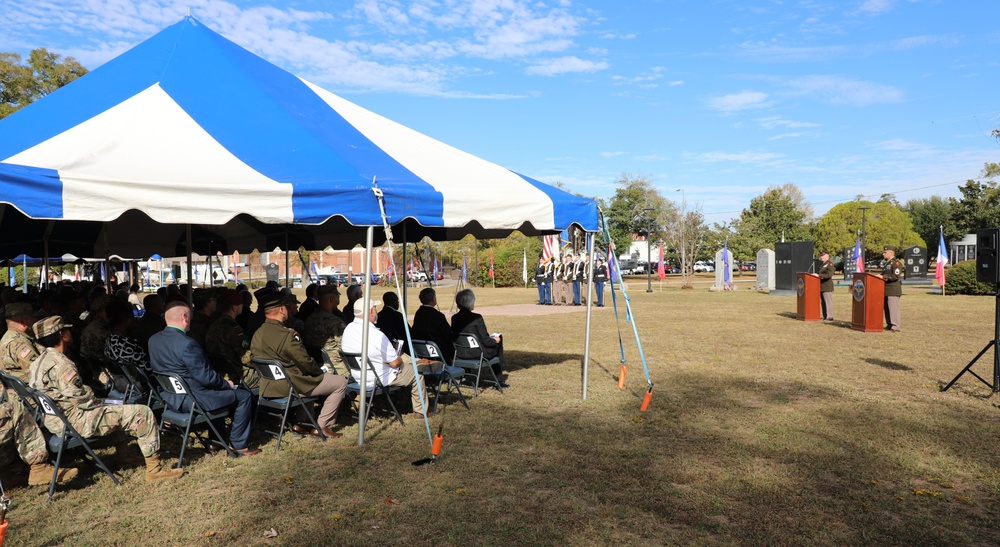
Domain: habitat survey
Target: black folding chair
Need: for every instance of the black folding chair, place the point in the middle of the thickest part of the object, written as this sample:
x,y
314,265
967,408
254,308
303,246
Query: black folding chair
x,y
475,366
68,440
353,363
172,383
274,370
445,373
141,380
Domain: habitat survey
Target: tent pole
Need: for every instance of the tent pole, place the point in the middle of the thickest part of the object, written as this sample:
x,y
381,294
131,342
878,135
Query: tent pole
x,y
590,309
403,296
288,274
190,266
367,299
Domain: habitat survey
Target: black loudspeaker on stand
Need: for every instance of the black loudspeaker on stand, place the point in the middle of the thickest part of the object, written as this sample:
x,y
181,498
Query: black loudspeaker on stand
x,y
987,271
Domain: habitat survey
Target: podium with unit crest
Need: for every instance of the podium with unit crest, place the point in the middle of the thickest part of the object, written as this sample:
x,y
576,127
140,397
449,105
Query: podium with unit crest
x,y
868,297
808,303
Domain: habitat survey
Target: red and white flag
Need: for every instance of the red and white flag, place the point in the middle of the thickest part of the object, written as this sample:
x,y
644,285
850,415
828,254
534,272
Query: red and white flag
x,y
550,246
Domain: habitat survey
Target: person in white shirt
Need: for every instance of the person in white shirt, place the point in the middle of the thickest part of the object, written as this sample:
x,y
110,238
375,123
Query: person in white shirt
x,y
393,368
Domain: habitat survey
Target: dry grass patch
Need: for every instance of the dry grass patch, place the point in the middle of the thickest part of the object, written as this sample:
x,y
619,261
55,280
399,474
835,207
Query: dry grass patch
x,y
762,430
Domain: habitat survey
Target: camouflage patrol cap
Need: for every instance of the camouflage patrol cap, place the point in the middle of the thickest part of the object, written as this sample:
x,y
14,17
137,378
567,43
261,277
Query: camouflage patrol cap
x,y
49,325
18,309
202,296
325,290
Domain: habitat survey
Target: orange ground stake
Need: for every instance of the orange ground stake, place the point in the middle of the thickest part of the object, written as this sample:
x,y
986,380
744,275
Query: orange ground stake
x,y
438,440
3,531
645,400
621,378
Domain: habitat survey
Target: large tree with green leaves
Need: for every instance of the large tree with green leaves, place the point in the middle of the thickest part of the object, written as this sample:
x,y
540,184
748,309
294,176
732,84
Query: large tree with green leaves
x,y
24,83
779,214
979,206
637,208
885,224
928,216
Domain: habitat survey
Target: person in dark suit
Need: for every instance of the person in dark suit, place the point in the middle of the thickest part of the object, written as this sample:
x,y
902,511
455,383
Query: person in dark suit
x,y
468,322
431,324
390,321
311,303
173,351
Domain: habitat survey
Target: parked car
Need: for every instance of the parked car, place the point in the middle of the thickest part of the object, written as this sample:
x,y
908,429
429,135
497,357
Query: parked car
x,y
700,267
415,275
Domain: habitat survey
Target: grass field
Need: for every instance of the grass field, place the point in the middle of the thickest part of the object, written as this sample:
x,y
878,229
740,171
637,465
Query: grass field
x,y
762,430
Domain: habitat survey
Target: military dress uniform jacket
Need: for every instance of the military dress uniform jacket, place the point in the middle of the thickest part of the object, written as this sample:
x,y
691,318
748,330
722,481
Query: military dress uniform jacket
x,y
276,341
540,274
891,273
826,274
601,274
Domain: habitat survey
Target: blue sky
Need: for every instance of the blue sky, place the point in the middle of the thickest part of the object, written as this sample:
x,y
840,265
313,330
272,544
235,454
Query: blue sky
x,y
720,98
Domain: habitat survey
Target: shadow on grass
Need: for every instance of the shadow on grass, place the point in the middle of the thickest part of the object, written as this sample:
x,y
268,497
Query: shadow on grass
x,y
518,360
891,365
715,460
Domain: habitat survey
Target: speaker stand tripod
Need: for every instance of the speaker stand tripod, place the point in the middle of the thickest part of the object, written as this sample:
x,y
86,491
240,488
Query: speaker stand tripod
x,y
995,344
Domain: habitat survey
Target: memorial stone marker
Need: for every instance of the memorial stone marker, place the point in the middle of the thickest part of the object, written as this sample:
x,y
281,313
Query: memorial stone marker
x,y
720,271
915,262
790,258
271,271
765,270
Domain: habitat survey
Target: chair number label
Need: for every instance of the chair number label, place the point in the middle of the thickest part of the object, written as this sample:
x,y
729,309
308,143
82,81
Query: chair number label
x,y
178,388
473,342
432,351
276,372
45,406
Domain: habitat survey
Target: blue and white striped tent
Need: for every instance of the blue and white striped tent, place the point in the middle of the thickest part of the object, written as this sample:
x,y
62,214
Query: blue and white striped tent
x,y
188,128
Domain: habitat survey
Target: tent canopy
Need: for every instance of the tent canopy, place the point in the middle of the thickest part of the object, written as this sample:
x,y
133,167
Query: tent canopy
x,y
190,128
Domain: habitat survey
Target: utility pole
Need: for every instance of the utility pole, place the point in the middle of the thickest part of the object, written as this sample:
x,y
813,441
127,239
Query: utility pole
x,y
683,243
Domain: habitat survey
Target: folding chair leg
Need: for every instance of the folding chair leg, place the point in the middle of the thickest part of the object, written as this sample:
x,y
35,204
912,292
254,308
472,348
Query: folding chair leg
x,y
213,430
496,380
55,472
452,382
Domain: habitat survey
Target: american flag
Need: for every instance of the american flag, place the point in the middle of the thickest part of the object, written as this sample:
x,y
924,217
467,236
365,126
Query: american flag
x,y
550,246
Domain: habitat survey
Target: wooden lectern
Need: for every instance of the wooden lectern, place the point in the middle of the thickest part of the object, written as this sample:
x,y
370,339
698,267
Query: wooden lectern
x,y
868,295
807,289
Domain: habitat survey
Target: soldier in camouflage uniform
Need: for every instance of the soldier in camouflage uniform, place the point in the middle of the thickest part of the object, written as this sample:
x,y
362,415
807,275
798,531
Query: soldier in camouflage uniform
x,y
892,273
55,375
293,322
17,348
225,337
324,329
18,426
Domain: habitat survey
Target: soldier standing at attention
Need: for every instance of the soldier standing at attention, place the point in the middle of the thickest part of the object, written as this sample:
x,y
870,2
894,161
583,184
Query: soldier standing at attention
x,y
891,273
826,273
540,281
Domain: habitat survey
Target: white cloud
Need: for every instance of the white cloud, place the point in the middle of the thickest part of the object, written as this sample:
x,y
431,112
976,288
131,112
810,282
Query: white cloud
x,y
611,154
875,7
785,136
564,65
377,44
739,157
645,80
844,91
771,122
743,100
913,42
676,83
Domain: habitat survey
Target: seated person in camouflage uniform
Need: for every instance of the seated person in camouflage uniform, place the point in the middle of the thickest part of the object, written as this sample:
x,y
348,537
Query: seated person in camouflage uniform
x,y
225,339
55,375
18,426
292,304
323,328
17,348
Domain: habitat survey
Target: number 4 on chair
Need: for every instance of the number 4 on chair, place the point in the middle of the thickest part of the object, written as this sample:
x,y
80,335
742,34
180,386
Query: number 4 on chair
x,y
276,372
